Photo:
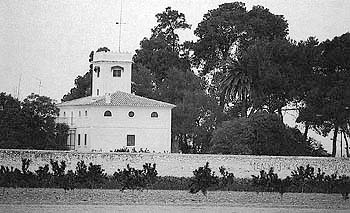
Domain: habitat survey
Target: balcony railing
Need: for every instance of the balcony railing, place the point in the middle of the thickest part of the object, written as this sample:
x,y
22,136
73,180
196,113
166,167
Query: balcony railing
x,y
67,120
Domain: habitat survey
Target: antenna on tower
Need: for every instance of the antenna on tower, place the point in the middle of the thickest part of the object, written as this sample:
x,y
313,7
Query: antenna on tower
x,y
40,85
120,23
19,86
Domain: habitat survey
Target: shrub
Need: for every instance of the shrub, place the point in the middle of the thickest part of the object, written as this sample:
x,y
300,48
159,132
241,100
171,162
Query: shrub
x,y
259,134
69,181
95,176
58,170
270,182
203,179
227,178
43,176
131,178
344,186
303,178
81,173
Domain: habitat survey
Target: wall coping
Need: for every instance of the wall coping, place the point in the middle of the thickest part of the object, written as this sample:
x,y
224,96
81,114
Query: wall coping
x,y
174,154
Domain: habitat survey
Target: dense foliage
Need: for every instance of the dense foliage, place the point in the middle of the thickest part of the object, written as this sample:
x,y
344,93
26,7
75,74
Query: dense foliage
x,y
30,124
261,134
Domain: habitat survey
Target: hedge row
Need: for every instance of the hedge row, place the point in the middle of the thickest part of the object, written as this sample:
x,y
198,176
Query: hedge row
x,y
303,179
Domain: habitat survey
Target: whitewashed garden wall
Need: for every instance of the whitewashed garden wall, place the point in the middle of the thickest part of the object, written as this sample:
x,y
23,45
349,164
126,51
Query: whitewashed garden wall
x,y
179,165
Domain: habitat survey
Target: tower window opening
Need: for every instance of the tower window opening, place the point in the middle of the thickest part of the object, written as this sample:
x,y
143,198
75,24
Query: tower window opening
x,y
97,70
117,71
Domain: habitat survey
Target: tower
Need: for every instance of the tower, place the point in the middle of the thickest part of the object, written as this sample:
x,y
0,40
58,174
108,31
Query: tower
x,y
111,73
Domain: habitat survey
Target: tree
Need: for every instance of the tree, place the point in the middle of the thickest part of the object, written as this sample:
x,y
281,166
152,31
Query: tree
x,y
169,21
261,78
83,84
162,49
82,88
225,34
236,84
196,113
103,49
327,103
261,134
161,71
30,124
39,114
305,77
11,122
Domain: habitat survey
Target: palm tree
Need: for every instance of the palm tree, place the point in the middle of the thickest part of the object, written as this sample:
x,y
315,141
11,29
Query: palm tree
x,y
236,84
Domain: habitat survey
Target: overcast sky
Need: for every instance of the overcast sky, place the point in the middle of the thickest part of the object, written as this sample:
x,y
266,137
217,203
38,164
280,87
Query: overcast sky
x,y
49,41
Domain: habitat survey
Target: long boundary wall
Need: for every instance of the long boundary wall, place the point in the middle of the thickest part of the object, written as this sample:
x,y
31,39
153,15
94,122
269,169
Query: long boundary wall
x,y
179,165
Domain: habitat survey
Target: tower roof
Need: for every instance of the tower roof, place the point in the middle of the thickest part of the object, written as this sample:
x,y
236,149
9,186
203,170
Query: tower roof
x,y
117,98
112,57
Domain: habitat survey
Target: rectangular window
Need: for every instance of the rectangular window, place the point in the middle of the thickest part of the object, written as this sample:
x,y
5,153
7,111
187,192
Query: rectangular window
x,y
98,92
64,114
78,139
85,139
117,73
130,141
97,70
79,114
85,112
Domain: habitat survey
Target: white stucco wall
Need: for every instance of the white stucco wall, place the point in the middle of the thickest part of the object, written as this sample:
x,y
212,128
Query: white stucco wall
x,y
110,133
106,83
178,165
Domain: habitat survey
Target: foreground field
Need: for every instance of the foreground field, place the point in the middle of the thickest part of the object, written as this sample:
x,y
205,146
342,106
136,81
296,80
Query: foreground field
x,y
41,200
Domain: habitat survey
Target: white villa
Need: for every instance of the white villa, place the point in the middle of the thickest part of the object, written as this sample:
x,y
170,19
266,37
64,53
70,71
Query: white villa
x,y
113,118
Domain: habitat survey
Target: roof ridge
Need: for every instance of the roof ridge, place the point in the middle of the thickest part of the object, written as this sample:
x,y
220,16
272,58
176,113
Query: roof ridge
x,y
118,98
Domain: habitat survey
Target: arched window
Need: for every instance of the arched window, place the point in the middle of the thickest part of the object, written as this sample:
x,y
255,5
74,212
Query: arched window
x,y
108,113
154,115
131,114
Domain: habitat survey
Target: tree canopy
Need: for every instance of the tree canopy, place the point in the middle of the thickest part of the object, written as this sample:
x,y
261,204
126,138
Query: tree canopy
x,y
261,134
30,124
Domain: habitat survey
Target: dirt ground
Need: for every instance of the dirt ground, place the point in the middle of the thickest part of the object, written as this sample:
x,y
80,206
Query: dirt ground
x,y
42,200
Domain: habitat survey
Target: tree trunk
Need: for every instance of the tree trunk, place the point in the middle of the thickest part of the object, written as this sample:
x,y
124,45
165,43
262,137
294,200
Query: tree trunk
x,y
334,148
280,113
346,144
244,108
222,101
306,131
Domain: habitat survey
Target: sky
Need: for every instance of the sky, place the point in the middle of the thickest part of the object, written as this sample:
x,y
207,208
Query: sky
x,y
45,44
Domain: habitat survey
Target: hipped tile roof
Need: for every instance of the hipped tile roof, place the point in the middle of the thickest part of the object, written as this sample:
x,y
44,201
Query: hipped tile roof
x,y
117,99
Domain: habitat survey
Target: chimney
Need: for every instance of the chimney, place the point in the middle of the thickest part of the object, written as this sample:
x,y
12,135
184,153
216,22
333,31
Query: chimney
x,y
108,98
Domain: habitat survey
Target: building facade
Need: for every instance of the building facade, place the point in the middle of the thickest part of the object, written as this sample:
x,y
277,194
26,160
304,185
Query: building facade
x,y
113,118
